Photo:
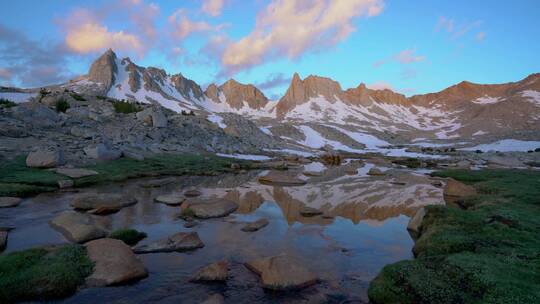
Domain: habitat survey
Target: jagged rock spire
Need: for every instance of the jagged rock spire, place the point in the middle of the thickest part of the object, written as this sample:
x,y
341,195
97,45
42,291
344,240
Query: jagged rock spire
x,y
103,70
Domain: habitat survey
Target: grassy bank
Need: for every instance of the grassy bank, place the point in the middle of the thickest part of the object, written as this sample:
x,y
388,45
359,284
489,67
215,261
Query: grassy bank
x,y
18,180
39,274
486,253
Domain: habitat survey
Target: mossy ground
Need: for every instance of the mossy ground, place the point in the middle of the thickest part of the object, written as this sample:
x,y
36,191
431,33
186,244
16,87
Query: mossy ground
x,y
487,253
16,179
39,274
128,236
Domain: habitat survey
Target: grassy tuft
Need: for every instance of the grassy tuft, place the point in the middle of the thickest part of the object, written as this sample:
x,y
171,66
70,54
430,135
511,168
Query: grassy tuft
x,y
128,236
39,274
487,253
6,103
77,97
61,105
187,213
16,179
125,107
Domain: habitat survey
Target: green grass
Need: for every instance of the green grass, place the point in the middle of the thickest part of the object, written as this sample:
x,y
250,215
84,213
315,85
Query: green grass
x,y
187,213
5,103
125,107
38,274
77,97
128,236
167,164
487,253
16,179
61,105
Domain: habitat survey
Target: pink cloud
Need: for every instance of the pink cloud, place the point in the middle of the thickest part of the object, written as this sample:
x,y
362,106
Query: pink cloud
x,y
406,56
481,36
182,26
290,28
213,7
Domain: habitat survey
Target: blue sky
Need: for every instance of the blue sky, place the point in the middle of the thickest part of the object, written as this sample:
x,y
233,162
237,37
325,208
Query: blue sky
x,y
413,47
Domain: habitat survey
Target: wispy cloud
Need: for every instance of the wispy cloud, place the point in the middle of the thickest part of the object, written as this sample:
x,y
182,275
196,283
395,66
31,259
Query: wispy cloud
x,y
406,56
457,30
481,36
213,7
274,81
290,28
182,26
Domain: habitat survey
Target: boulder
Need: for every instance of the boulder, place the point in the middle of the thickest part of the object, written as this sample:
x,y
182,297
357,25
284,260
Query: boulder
x,y
181,241
312,173
3,239
7,202
65,183
77,227
114,263
416,222
454,188
505,162
282,272
276,178
173,199
211,208
214,272
153,116
214,299
309,211
132,155
45,158
101,152
192,193
375,172
75,172
89,201
254,226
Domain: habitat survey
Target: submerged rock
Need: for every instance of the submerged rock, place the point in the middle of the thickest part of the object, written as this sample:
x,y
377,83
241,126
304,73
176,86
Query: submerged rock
x,y
211,208
77,227
156,183
45,158
8,202
214,272
214,299
96,201
192,193
282,272
254,226
76,172
309,211
181,241
115,263
276,178
376,172
454,188
173,199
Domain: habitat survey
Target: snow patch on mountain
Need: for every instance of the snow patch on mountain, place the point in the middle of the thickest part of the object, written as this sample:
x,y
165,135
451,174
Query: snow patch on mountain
x,y
218,120
506,145
487,100
532,96
17,97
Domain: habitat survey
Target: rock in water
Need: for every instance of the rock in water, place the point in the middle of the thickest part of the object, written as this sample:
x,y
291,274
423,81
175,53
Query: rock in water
x,y
192,193
76,172
7,202
115,263
77,227
211,208
275,178
214,272
45,158
3,239
172,199
214,299
282,272
181,241
309,211
454,188
92,201
254,226
416,222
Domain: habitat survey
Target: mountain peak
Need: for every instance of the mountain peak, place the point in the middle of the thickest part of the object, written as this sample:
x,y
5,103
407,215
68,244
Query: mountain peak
x,y
236,94
103,70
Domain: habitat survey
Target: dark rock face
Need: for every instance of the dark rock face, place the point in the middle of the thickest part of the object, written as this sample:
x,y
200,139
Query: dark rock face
x,y
186,86
103,70
236,94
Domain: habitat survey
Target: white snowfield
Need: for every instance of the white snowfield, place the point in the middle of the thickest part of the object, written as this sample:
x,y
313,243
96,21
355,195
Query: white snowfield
x,y
533,96
506,145
245,156
17,97
487,100
218,120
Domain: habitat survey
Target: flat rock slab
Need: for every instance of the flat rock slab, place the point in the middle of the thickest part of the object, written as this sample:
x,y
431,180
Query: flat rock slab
x,y
92,201
255,226
454,188
282,272
275,178
181,241
8,202
156,183
214,272
76,172
173,199
309,211
3,239
115,263
78,227
416,222
211,208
